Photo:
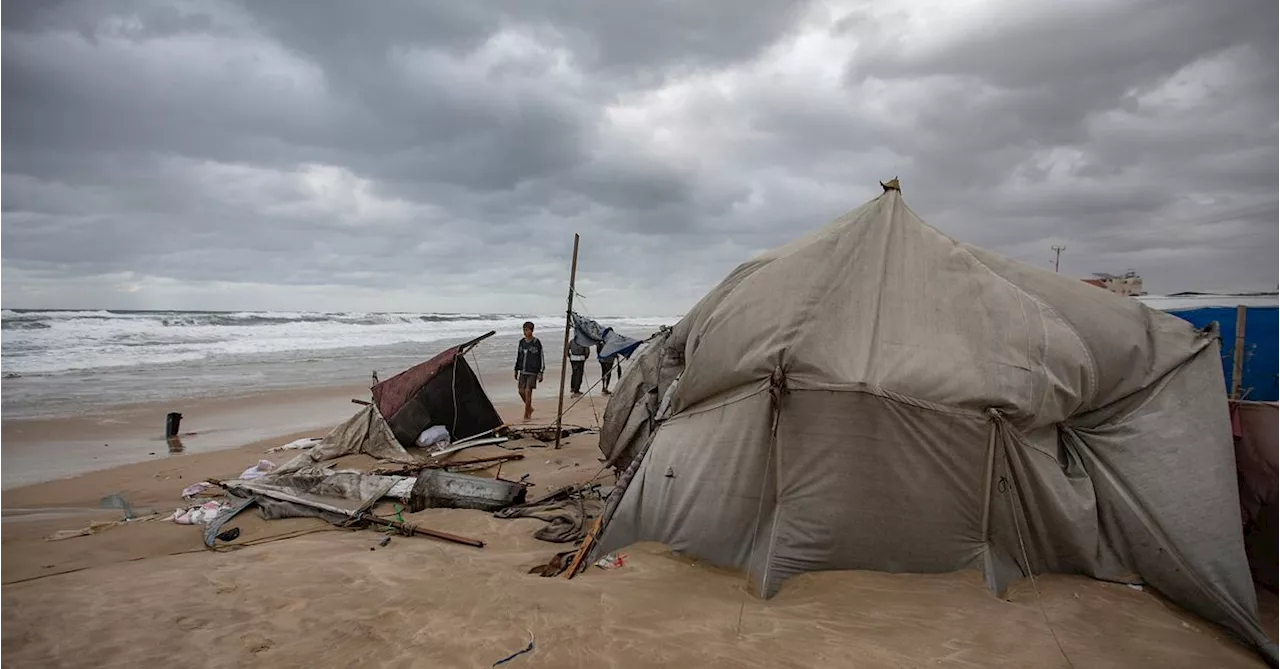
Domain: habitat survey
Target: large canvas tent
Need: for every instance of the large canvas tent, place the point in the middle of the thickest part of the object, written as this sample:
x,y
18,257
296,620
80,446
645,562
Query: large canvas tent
x,y
879,396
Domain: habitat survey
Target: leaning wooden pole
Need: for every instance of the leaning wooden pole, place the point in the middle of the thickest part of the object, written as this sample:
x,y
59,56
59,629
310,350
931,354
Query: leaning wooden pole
x,y
1237,357
568,327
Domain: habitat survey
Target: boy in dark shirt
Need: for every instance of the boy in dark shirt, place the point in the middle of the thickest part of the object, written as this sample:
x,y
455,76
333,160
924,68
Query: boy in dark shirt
x,y
530,365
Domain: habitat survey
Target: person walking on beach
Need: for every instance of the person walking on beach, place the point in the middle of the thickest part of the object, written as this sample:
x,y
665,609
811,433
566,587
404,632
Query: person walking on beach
x,y
530,366
606,369
578,361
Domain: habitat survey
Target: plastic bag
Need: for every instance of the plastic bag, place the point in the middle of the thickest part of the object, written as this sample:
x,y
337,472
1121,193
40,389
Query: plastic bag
x,y
433,436
259,470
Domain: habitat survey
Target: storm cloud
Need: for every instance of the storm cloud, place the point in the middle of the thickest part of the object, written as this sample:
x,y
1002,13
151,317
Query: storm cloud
x,y
330,155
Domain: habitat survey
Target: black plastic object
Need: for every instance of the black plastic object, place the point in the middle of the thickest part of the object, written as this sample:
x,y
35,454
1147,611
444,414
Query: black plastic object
x,y
229,535
171,423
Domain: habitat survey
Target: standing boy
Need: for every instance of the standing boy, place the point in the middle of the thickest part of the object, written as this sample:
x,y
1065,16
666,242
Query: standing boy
x,y
578,361
529,367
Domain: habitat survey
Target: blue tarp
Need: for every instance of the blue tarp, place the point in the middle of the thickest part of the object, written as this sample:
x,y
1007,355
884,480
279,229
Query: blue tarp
x,y
590,333
1260,333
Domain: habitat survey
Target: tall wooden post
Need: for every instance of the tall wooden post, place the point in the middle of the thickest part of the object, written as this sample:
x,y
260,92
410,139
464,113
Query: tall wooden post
x,y
568,326
1237,357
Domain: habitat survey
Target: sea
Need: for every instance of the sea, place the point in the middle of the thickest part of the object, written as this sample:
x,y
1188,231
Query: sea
x,y
66,363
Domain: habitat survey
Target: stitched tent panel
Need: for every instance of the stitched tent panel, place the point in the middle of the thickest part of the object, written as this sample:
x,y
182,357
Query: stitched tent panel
x,y
876,395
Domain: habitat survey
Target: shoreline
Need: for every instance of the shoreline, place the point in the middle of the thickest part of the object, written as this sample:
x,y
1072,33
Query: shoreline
x,y
42,450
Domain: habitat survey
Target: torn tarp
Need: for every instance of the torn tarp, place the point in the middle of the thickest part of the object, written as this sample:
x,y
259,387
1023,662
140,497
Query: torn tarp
x,y
568,513
365,432
590,333
329,487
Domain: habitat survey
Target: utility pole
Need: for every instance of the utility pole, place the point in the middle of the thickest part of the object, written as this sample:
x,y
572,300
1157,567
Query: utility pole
x,y
1057,255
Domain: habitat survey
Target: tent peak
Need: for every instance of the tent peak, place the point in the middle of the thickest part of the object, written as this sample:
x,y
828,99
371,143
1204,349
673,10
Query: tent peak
x,y
891,185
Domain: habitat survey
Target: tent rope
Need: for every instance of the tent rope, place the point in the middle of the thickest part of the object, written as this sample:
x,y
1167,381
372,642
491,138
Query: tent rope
x,y
1010,488
453,431
1039,597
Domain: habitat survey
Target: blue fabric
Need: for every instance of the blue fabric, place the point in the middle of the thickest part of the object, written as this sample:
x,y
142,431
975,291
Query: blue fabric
x,y
1260,333
590,333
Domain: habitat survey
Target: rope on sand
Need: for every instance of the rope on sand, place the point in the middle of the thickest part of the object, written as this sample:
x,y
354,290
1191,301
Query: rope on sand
x,y
516,654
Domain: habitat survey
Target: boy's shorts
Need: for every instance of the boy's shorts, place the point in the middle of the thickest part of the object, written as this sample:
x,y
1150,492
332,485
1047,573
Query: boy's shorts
x,y
527,381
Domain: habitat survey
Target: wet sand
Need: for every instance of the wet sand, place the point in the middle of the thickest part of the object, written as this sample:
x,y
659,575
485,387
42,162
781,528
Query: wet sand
x,y
44,449
149,593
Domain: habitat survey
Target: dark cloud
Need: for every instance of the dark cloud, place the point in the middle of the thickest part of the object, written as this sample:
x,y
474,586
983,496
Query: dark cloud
x,y
432,155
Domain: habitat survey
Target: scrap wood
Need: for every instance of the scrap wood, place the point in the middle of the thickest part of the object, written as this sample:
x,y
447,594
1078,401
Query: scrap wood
x,y
360,516
413,469
555,566
497,431
562,491
97,526
548,433
584,548
454,448
474,467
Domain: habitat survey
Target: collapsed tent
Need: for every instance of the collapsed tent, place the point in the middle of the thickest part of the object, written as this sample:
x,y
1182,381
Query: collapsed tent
x,y
441,391
588,333
878,396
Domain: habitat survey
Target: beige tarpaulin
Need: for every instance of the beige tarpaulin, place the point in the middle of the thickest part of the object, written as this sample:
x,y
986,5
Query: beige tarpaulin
x,y
878,396
365,432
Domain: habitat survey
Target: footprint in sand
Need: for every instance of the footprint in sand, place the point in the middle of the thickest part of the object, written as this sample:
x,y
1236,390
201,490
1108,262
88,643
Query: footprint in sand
x,y
256,643
221,587
187,624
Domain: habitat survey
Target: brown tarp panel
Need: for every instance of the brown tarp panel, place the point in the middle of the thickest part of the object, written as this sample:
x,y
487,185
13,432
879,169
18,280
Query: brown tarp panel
x,y
1256,453
878,396
392,393
453,398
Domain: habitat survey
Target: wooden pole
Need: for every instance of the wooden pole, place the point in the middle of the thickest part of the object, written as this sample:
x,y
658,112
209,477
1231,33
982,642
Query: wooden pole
x,y
568,326
360,515
1237,358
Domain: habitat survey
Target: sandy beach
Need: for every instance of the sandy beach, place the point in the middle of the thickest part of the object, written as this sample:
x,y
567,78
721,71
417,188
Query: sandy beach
x,y
306,594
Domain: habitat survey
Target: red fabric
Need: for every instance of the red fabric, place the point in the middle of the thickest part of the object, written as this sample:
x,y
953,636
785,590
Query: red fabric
x,y
392,394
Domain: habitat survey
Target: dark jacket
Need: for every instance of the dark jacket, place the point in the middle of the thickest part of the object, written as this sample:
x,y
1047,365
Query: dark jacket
x,y
529,358
578,351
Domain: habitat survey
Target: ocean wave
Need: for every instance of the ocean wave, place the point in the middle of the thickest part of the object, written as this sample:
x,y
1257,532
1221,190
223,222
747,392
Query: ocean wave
x,y
52,342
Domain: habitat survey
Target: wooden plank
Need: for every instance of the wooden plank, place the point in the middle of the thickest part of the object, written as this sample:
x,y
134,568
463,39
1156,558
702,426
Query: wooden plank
x,y
1237,357
586,547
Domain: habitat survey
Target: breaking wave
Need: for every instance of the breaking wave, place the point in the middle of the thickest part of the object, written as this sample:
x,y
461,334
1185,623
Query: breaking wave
x,y
52,342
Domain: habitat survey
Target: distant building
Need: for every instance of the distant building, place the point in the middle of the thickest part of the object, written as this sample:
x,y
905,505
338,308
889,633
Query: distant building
x,y
1129,283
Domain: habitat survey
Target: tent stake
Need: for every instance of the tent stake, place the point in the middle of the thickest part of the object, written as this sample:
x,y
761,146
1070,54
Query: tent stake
x,y
568,325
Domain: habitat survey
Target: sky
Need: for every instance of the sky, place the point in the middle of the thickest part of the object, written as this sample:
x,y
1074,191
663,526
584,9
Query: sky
x,y
329,155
